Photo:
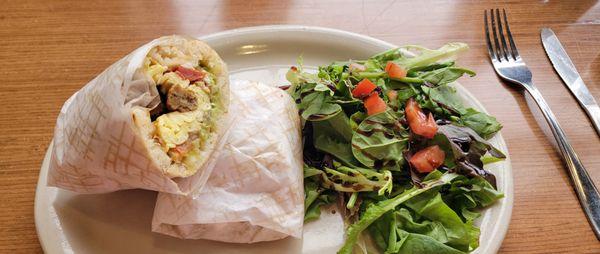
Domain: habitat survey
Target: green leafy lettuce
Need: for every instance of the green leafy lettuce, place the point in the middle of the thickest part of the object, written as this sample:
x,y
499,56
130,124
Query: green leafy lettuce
x,y
363,161
380,139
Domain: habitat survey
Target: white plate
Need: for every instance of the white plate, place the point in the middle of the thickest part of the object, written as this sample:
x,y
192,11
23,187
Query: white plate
x,y
120,222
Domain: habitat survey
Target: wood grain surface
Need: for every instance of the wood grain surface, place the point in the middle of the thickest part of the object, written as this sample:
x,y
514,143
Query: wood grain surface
x,y
51,48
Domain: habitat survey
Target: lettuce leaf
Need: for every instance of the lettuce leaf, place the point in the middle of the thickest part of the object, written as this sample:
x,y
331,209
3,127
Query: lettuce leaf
x,y
445,76
414,243
375,211
467,194
380,140
314,195
467,149
415,71
433,222
446,97
424,56
318,106
346,151
404,233
346,179
333,136
485,125
430,205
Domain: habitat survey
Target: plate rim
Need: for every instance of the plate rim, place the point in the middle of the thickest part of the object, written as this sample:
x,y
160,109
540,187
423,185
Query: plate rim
x,y
508,186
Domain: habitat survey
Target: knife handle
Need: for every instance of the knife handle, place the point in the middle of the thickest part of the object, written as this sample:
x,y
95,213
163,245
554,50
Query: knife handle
x,y
593,111
584,186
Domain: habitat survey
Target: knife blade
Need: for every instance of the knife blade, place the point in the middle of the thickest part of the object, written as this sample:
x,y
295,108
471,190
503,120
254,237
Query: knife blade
x,y
568,73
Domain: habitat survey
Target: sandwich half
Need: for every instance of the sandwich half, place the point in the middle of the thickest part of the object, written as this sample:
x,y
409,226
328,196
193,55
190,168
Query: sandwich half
x,y
181,130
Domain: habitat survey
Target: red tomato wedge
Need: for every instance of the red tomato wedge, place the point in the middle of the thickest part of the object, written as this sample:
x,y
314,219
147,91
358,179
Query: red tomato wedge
x,y
364,88
374,104
394,71
428,159
419,123
189,74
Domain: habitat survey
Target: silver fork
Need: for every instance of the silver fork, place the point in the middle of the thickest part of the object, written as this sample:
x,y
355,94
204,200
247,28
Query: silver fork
x,y
510,66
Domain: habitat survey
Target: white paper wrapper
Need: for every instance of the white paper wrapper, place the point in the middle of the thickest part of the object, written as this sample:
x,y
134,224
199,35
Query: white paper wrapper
x,y
255,192
96,148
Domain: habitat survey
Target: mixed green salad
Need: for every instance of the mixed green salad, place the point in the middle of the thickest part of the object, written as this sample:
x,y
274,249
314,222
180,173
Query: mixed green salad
x,y
390,141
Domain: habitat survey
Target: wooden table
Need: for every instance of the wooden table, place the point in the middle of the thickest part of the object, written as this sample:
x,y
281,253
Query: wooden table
x,y
51,48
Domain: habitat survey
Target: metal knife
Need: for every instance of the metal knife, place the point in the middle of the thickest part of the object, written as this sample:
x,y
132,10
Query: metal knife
x,y
566,70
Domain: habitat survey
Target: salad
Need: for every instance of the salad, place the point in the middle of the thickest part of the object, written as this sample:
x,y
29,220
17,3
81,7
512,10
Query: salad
x,y
389,140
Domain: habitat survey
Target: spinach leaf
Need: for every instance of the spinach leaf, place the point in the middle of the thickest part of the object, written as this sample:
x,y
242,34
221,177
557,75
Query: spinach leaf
x,y
347,151
356,119
340,149
333,136
413,72
380,139
320,87
487,159
463,138
406,93
337,126
485,125
445,76
318,106
446,97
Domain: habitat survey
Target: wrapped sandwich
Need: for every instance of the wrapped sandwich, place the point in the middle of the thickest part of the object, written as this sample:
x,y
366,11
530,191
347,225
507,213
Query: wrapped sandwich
x,y
255,192
153,120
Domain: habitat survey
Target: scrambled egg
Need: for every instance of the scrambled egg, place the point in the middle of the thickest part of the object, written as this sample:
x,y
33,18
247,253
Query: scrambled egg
x,y
174,128
166,80
154,70
170,79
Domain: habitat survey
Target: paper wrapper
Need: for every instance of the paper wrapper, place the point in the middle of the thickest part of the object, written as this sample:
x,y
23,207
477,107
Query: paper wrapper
x,y
255,192
96,148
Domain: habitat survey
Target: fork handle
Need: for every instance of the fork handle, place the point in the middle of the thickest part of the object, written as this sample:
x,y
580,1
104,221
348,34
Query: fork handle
x,y
584,186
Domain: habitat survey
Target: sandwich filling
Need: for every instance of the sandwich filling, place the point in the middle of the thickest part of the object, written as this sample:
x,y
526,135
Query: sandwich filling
x,y
185,117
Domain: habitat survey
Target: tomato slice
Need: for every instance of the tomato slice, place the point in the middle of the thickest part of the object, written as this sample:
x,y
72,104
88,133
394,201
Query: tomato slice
x,y
189,74
374,104
419,123
428,159
364,88
394,71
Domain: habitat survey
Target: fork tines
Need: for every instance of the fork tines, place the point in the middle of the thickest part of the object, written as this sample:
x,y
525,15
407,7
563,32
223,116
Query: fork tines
x,y
499,50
